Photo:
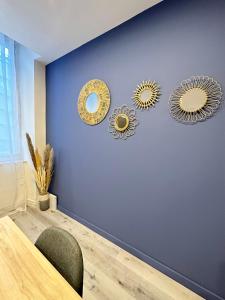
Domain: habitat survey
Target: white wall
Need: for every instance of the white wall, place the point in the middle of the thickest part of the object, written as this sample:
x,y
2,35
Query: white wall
x,y
40,105
32,94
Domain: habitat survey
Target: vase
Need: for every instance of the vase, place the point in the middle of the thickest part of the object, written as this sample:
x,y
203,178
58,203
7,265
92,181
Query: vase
x,y
44,202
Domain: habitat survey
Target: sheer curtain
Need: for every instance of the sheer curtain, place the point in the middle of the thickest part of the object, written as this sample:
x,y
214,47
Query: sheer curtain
x,y
12,175
10,149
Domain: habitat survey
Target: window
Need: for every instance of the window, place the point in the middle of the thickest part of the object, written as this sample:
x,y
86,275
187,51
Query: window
x,y
9,108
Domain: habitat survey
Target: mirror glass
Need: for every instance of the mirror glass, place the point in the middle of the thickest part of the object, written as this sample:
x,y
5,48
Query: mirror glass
x,y
145,95
122,122
193,100
92,103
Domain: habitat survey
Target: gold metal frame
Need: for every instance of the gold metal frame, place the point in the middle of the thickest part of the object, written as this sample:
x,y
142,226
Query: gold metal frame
x,y
100,88
155,93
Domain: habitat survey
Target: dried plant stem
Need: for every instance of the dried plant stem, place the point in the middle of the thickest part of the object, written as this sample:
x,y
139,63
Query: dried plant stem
x,y
31,149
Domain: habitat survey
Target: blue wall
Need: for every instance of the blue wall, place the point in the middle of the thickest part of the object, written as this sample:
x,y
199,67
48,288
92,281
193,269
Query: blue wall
x,y
161,193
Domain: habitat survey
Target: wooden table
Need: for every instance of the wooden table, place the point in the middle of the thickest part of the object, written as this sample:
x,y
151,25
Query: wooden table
x,y
24,272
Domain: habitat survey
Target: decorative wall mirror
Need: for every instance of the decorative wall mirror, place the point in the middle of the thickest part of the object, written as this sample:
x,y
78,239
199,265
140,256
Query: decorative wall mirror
x,y
146,94
196,99
122,122
94,101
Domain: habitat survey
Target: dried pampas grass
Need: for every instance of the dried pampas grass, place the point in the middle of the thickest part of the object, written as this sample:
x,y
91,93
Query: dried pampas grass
x,y
43,169
31,149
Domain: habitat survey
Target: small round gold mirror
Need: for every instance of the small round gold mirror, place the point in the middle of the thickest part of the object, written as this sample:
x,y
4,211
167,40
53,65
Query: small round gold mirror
x,y
121,122
193,100
94,102
146,94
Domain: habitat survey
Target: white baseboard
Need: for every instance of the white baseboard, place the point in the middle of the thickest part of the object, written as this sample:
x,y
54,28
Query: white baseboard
x,y
53,202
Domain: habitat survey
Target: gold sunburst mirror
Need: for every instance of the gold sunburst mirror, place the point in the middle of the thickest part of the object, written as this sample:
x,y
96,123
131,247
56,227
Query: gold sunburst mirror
x,y
196,99
146,94
94,102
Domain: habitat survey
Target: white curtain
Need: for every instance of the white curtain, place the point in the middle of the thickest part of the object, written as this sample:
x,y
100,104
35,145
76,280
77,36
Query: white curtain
x,y
10,149
13,187
12,173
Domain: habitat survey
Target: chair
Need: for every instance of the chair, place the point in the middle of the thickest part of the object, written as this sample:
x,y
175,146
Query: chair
x,y
64,253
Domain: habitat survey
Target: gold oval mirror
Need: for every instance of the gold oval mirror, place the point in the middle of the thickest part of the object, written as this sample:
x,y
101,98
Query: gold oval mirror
x,y
193,100
93,102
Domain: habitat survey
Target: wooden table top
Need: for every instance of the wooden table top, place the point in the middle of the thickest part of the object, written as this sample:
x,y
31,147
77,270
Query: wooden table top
x,y
24,272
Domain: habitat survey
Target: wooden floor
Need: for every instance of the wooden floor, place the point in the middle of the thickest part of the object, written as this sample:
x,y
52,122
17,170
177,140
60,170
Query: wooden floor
x,y
110,272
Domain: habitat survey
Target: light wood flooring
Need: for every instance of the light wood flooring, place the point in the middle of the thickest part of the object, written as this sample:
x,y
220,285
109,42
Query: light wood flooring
x,y
110,272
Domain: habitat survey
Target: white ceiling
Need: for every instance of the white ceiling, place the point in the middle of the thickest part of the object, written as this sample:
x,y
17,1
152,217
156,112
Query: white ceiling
x,y
52,28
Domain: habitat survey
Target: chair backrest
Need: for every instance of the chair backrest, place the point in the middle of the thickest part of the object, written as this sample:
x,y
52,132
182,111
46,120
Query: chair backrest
x,y
64,253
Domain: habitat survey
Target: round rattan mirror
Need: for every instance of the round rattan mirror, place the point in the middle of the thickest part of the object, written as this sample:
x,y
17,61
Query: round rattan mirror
x,y
196,99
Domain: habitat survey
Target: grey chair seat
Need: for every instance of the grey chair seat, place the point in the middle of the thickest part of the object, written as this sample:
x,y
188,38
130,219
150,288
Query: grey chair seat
x,y
64,253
